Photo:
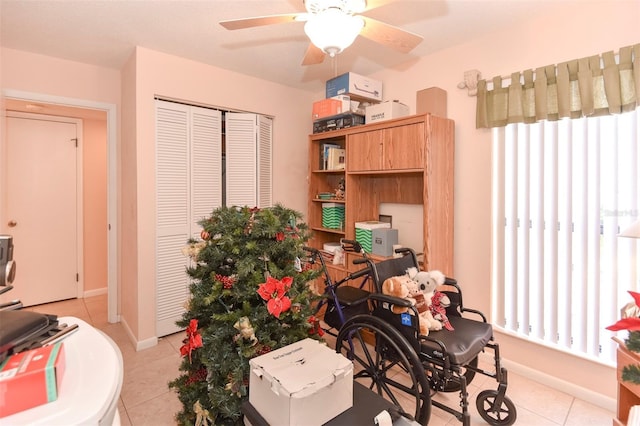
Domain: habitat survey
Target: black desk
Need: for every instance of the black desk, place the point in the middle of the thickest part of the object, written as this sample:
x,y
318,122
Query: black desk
x,y
366,405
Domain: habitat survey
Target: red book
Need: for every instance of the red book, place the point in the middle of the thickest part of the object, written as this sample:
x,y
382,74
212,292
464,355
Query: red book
x,y
31,378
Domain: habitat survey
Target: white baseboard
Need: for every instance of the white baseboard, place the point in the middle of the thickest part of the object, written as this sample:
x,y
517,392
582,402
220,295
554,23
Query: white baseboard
x,y
95,292
572,389
147,343
139,345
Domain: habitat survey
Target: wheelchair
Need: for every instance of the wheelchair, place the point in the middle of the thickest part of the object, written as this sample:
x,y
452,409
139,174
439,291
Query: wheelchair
x,y
392,358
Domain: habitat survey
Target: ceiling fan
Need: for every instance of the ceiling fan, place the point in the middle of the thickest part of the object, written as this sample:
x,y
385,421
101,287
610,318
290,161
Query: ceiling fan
x,y
332,25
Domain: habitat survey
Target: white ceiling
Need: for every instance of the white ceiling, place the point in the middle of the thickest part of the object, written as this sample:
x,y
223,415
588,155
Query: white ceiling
x,y
104,32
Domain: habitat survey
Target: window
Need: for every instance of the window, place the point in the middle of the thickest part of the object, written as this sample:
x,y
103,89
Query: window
x,y
562,191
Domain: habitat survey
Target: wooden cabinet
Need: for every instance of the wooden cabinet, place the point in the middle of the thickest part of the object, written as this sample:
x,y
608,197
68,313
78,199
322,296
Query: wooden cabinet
x,y
628,393
407,161
399,147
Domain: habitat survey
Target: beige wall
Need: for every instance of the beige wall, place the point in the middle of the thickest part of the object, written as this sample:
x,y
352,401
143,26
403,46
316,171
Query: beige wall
x,y
42,75
599,27
127,214
151,74
29,72
94,189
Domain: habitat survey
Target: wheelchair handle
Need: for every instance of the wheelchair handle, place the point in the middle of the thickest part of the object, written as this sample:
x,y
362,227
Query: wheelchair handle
x,y
351,245
403,250
311,249
359,260
315,254
360,273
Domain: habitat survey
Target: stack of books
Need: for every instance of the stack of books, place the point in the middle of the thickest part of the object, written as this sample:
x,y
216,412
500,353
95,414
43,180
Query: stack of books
x,y
333,157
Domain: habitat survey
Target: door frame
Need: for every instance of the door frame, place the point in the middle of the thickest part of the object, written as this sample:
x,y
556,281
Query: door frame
x,y
112,180
79,185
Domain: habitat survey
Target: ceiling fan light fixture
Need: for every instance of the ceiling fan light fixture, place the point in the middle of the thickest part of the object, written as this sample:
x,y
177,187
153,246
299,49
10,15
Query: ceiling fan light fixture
x,y
332,30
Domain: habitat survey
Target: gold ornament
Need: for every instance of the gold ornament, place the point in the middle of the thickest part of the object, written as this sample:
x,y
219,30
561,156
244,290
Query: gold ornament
x,y
203,417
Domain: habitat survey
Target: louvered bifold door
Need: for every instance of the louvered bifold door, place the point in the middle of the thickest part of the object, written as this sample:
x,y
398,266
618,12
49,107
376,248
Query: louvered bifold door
x,y
248,160
206,165
188,188
265,136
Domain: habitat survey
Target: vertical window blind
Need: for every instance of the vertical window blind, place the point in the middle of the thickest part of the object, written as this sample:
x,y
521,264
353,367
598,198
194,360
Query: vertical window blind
x,y
562,191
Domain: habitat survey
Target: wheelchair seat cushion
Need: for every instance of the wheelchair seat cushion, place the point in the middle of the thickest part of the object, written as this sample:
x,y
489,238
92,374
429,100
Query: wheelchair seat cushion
x,y
463,344
350,296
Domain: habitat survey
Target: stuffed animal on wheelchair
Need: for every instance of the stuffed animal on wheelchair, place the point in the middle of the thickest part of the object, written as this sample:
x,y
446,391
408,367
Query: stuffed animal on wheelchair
x,y
423,305
398,287
403,287
428,282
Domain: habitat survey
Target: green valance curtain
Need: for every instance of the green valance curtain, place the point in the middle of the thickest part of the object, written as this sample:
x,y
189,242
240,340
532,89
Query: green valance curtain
x,y
591,86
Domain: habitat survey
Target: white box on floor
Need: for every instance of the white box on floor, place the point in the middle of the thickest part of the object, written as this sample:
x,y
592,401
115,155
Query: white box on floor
x,y
385,111
305,383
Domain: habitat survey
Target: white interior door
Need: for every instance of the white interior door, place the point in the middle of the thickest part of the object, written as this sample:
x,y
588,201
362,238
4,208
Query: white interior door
x,y
42,207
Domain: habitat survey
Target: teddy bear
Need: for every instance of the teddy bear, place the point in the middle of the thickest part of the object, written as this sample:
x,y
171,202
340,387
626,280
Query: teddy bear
x,y
425,317
404,287
428,283
397,286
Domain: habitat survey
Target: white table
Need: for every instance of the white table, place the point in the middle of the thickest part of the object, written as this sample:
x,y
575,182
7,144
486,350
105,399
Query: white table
x,y
90,386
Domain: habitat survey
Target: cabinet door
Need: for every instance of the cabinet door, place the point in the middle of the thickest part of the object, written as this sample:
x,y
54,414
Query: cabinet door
x,y
404,147
365,151
395,148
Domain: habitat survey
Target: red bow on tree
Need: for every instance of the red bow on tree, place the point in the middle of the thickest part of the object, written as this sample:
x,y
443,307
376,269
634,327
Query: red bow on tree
x,y
273,291
630,323
193,340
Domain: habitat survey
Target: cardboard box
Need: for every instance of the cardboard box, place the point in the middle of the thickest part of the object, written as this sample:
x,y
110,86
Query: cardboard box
x,y
31,378
305,383
385,111
356,86
364,233
432,101
383,240
326,108
348,105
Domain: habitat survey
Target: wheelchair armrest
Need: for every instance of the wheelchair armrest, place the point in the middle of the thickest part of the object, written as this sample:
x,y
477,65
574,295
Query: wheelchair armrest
x,y
452,282
391,299
443,348
475,311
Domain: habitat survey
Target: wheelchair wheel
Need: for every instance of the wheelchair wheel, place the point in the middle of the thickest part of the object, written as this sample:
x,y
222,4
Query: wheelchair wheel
x,y
386,363
504,415
454,386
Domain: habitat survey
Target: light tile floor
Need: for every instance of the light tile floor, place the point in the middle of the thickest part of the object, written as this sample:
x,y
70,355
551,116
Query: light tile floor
x,y
146,399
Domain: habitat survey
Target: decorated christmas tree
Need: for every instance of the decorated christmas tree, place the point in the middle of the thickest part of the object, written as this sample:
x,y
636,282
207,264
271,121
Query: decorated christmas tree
x,y
250,294
630,321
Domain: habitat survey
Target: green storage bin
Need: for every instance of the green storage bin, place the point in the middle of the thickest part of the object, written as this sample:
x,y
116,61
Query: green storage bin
x,y
364,232
332,215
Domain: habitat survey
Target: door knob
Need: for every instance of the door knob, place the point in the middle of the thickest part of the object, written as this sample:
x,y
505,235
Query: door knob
x,y
12,223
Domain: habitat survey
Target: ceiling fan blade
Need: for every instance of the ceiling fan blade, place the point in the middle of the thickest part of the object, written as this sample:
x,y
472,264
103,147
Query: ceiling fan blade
x,y
238,24
374,4
388,35
313,56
